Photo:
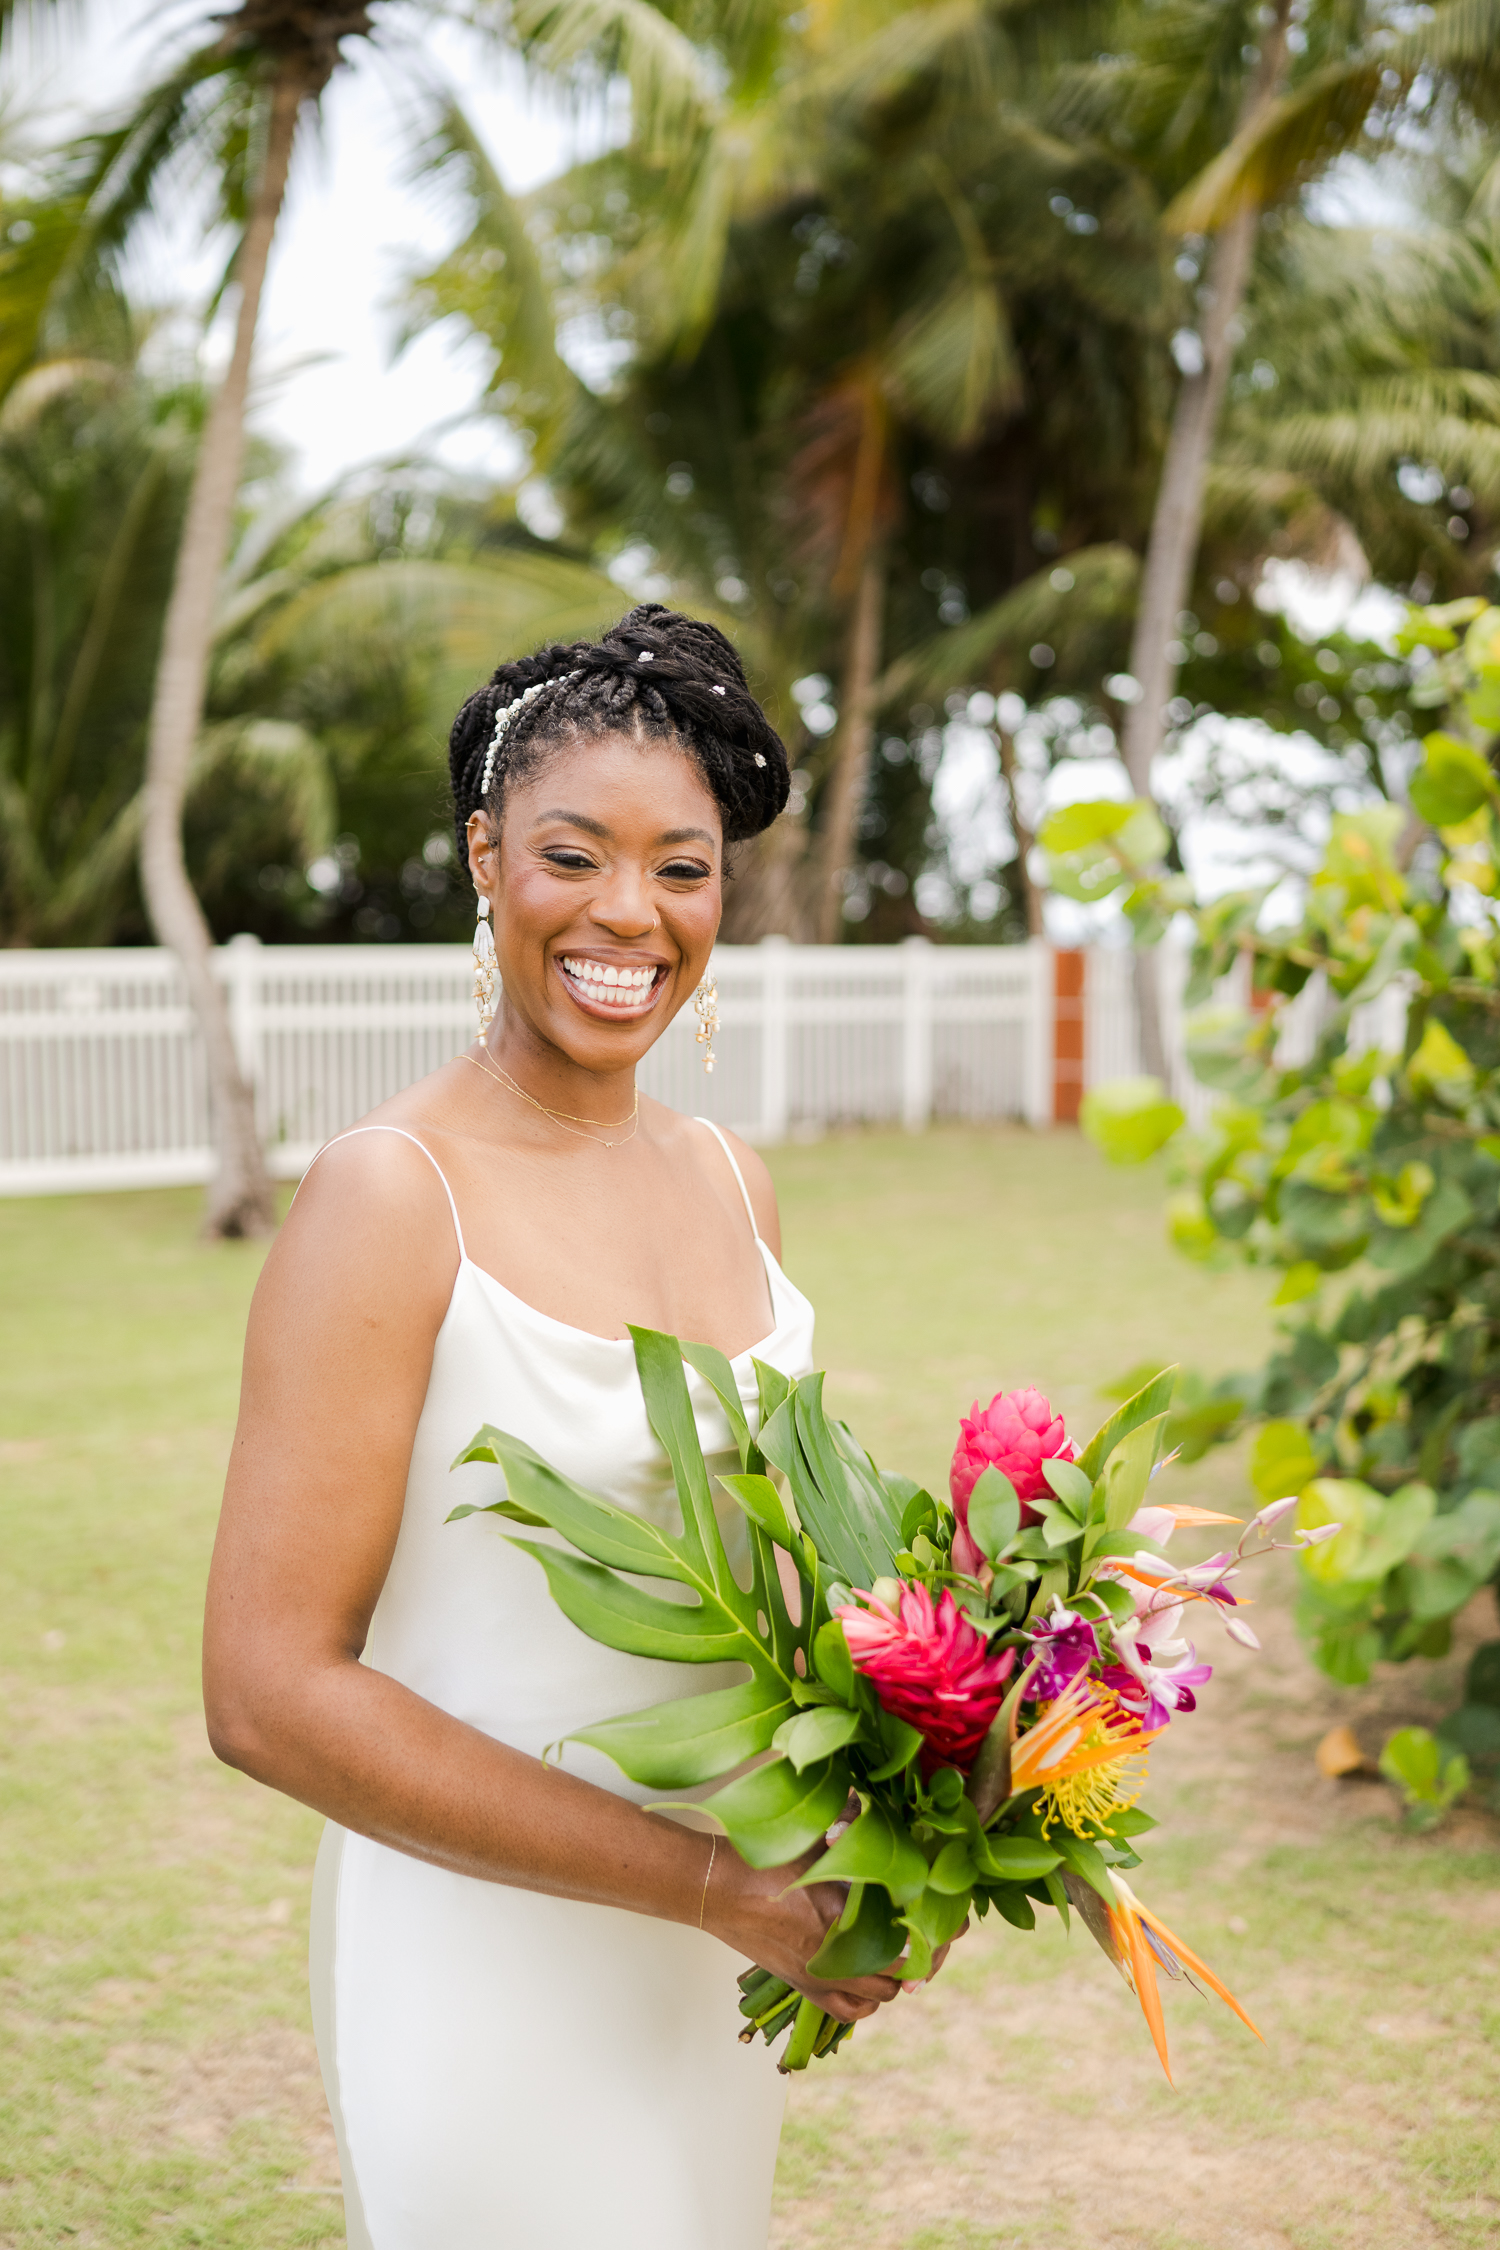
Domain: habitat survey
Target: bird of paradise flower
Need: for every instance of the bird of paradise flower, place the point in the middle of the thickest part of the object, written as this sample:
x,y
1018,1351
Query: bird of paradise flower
x,y
1085,1734
1137,1941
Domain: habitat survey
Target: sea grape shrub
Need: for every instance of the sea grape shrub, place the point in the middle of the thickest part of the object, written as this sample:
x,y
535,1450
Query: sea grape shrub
x,y
1369,1175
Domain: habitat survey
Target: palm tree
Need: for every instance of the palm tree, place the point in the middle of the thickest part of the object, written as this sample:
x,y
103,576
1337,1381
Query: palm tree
x,y
331,674
235,101
1351,69
812,304
789,270
94,472
234,104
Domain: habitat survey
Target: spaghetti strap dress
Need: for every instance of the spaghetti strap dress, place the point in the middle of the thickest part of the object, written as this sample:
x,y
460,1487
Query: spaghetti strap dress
x,y
508,2071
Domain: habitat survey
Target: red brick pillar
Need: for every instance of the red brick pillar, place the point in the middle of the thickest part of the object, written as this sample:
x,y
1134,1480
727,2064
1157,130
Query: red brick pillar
x,y
1068,969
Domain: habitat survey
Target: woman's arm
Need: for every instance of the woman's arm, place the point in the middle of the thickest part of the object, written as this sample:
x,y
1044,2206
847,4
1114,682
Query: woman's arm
x,y
337,1362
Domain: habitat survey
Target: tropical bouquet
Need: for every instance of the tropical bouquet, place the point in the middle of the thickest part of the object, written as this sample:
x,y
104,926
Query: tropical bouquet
x,y
961,1711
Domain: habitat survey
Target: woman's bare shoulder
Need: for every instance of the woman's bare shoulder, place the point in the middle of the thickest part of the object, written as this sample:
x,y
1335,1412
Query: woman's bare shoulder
x,y
759,1186
372,1204
754,1170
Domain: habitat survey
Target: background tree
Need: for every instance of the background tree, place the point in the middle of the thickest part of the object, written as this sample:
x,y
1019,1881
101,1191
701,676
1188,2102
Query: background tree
x,y
878,309
1014,311
347,629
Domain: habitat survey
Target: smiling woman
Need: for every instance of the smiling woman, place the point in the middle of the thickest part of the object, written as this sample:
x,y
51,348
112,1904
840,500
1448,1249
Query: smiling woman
x,y
518,1973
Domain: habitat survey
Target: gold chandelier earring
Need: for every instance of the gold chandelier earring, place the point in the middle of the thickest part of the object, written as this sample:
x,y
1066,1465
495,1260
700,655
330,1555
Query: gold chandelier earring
x,y
706,1009
486,972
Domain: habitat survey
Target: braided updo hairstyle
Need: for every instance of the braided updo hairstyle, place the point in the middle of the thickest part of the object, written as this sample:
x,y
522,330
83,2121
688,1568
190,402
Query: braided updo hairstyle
x,y
655,675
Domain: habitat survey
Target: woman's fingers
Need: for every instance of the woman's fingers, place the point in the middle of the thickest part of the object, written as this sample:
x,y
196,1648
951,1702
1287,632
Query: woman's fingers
x,y
915,1984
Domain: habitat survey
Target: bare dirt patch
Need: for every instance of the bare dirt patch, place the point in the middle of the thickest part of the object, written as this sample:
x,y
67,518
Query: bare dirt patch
x,y
196,2099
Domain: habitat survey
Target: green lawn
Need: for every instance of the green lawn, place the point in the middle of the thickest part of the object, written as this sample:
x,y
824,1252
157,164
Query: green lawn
x,y
157,2082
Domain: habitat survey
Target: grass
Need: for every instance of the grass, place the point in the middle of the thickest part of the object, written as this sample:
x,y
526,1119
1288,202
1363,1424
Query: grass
x,y
157,2083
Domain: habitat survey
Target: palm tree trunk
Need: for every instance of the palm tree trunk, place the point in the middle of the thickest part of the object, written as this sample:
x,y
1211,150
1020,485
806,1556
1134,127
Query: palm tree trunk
x,y
851,769
240,1198
1172,549
1031,897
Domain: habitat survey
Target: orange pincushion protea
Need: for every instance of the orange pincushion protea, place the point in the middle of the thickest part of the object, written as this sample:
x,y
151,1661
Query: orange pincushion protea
x,y
1085,1728
1086,1753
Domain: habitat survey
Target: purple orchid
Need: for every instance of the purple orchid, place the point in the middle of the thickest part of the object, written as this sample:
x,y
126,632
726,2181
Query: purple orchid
x,y
1067,1645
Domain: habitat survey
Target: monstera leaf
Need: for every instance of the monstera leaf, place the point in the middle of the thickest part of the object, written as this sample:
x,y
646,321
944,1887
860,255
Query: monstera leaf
x,y
779,1808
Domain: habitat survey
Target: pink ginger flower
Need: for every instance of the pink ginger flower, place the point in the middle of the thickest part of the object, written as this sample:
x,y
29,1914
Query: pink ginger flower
x,y
1015,1433
930,1667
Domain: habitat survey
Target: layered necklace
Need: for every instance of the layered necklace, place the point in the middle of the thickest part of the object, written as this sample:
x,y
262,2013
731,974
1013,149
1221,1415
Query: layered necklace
x,y
563,1117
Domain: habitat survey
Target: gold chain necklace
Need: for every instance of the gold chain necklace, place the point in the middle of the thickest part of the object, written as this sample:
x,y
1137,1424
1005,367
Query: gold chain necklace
x,y
563,1117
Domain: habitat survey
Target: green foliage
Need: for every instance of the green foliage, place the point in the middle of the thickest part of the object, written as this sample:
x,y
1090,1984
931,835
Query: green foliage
x,y
1370,1176
924,1846
1130,1118
349,631
94,469
898,277
1429,1777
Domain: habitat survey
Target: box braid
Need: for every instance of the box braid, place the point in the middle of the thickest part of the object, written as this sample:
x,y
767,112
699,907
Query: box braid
x,y
656,675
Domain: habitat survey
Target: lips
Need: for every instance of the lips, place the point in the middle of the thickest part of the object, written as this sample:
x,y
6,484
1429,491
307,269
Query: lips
x,y
613,988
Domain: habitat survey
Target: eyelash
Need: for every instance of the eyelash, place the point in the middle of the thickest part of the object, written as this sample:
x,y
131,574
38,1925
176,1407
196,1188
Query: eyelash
x,y
676,871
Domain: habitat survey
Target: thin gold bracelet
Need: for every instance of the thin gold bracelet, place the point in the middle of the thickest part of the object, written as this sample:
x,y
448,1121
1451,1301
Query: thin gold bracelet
x,y
703,1902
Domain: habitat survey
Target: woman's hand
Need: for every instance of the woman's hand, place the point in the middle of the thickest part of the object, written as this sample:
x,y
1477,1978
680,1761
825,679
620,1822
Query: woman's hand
x,y
758,1913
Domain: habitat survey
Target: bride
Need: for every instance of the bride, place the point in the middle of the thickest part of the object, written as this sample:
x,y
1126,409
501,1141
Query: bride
x,y
522,1981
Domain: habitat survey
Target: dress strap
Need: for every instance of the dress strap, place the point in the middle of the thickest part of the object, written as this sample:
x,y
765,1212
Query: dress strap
x,y
426,1151
739,1177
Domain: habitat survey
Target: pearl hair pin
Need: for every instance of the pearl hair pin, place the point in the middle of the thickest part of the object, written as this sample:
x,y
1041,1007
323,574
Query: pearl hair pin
x,y
506,719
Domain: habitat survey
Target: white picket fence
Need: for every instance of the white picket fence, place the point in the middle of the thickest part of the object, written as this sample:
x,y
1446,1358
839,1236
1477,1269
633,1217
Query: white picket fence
x,y
102,1082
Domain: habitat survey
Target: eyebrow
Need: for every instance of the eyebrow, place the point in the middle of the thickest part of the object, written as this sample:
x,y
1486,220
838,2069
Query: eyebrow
x,y
578,820
598,828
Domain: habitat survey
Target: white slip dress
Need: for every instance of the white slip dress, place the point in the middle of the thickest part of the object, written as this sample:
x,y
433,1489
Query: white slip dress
x,y
505,2070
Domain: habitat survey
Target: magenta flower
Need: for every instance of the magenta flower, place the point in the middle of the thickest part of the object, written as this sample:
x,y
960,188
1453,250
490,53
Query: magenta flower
x,y
1156,1674
930,1667
1015,1433
1067,1645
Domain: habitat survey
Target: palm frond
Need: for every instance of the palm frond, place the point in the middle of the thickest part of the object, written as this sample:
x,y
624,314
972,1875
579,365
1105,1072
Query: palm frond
x,y
952,40
467,616
78,906
954,359
1102,594
672,88
38,244
288,761
41,386
690,253
953,362
1366,439
1326,113
1332,107
493,279
122,169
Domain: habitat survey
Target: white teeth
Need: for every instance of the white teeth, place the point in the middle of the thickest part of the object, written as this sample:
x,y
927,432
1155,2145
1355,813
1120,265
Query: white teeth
x,y
619,988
